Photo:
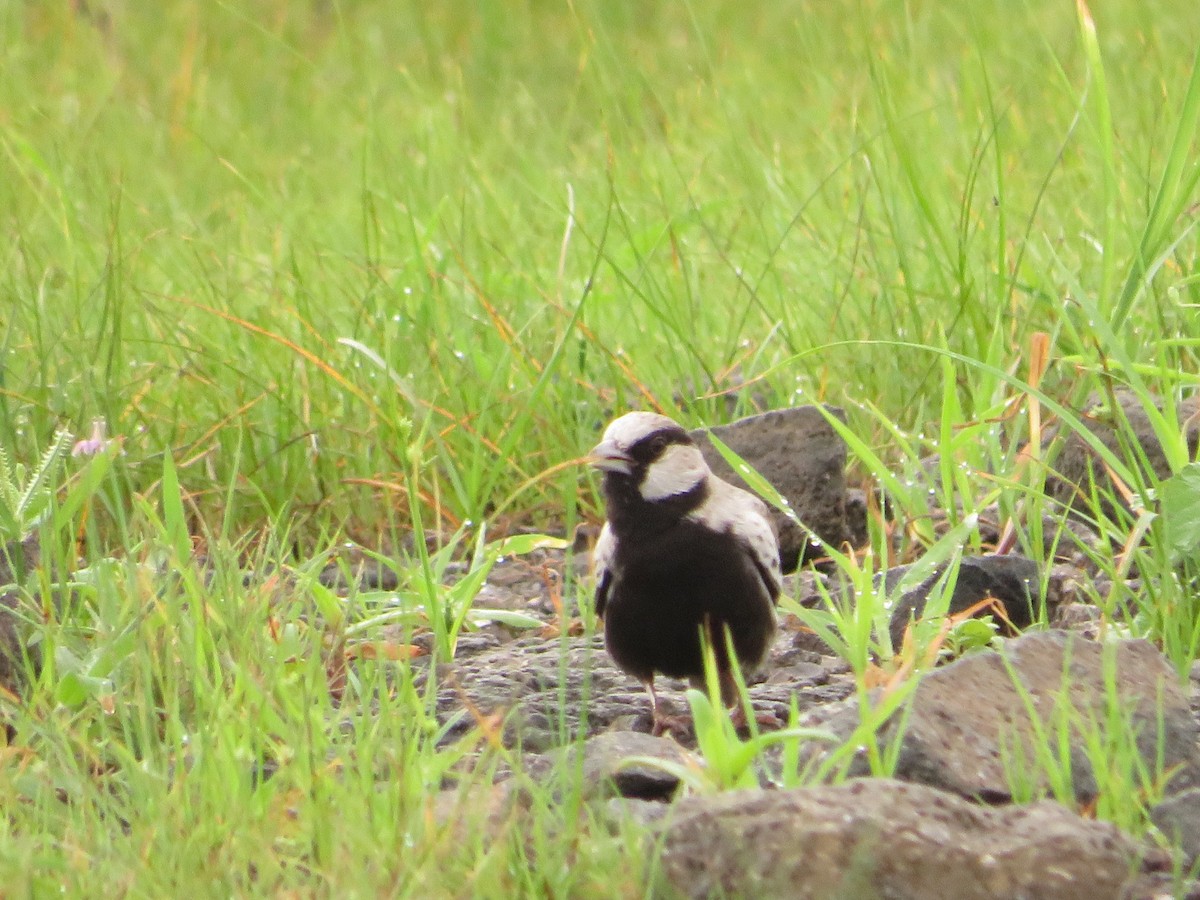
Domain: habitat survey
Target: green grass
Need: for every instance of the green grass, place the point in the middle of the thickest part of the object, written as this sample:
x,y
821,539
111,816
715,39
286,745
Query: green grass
x,y
355,266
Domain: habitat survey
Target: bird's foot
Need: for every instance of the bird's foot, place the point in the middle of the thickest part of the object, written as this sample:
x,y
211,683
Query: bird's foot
x,y
678,727
762,717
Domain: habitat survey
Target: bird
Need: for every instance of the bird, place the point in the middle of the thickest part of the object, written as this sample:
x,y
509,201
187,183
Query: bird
x,y
681,551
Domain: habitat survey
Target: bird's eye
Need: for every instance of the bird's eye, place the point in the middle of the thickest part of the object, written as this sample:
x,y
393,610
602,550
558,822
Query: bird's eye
x,y
658,445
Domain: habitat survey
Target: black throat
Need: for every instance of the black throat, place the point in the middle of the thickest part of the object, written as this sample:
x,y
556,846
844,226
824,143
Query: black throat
x,y
631,514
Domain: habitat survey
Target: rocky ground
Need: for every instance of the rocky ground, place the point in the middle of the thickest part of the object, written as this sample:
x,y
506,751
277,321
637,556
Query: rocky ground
x,y
945,826
947,823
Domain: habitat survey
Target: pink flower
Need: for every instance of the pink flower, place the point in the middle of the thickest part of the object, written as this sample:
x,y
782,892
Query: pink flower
x,y
97,443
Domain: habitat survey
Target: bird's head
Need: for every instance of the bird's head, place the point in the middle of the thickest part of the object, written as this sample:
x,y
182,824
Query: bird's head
x,y
651,454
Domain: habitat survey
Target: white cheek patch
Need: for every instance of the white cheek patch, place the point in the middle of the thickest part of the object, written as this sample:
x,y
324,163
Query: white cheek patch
x,y
677,471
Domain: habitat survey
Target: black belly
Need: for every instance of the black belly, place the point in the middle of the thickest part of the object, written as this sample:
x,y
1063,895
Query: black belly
x,y
669,584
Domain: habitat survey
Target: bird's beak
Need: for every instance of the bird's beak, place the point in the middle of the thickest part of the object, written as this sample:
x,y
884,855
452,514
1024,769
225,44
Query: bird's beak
x,y
608,457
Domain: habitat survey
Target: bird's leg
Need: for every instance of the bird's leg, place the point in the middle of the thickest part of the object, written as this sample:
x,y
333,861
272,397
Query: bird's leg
x,y
653,696
737,710
729,689
663,722
660,719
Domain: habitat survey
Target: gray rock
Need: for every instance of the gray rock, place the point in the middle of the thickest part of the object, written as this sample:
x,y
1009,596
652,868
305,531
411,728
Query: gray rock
x,y
857,512
1076,464
1073,542
606,770
1069,584
551,690
619,811
1178,818
965,717
1062,539
1083,618
801,455
802,673
467,810
1160,885
884,838
1011,579
362,574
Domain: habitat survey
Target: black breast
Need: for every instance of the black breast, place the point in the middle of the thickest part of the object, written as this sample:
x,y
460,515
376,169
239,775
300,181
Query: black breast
x,y
666,583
